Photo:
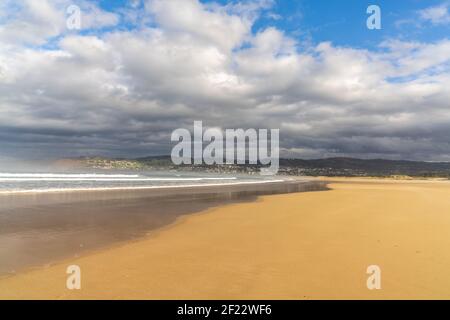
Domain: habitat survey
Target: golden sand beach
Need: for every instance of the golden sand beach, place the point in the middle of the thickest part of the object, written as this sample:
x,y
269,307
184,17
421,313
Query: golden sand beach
x,y
314,245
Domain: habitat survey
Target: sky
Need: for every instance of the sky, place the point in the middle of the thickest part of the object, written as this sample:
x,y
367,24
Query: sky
x,y
136,70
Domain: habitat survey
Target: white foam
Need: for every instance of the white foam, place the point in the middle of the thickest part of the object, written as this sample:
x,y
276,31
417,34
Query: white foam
x,y
58,175
110,179
59,190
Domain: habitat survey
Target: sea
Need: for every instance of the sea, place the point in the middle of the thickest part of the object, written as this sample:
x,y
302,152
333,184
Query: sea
x,y
23,182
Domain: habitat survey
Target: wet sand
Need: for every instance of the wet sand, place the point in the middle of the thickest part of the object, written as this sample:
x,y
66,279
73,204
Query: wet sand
x,y
38,229
314,245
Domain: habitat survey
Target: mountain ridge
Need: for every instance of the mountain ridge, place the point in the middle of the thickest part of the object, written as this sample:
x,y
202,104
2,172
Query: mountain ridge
x,y
334,166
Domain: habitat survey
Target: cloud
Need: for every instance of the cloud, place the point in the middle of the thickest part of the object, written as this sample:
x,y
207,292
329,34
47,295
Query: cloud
x,y
122,91
226,26
413,58
31,22
436,15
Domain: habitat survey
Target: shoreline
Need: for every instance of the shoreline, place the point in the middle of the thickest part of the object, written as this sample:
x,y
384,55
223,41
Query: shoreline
x,y
55,226
98,189
312,245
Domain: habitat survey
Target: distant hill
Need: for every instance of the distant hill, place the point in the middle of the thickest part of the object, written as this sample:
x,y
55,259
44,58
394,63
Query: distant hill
x,y
369,167
316,167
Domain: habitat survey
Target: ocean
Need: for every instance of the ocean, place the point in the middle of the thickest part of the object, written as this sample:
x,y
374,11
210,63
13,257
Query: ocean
x,y
46,217
52,182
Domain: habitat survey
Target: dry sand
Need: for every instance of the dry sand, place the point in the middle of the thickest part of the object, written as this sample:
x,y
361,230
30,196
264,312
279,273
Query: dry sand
x,y
313,245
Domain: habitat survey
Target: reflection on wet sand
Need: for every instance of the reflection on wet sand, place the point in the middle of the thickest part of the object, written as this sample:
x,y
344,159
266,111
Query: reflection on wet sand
x,y
36,229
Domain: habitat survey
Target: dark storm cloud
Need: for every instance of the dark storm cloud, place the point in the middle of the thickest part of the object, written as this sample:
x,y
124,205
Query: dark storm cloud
x,y
122,93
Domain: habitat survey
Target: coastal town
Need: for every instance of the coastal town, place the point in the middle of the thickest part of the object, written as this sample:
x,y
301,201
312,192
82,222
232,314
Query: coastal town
x,y
331,167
